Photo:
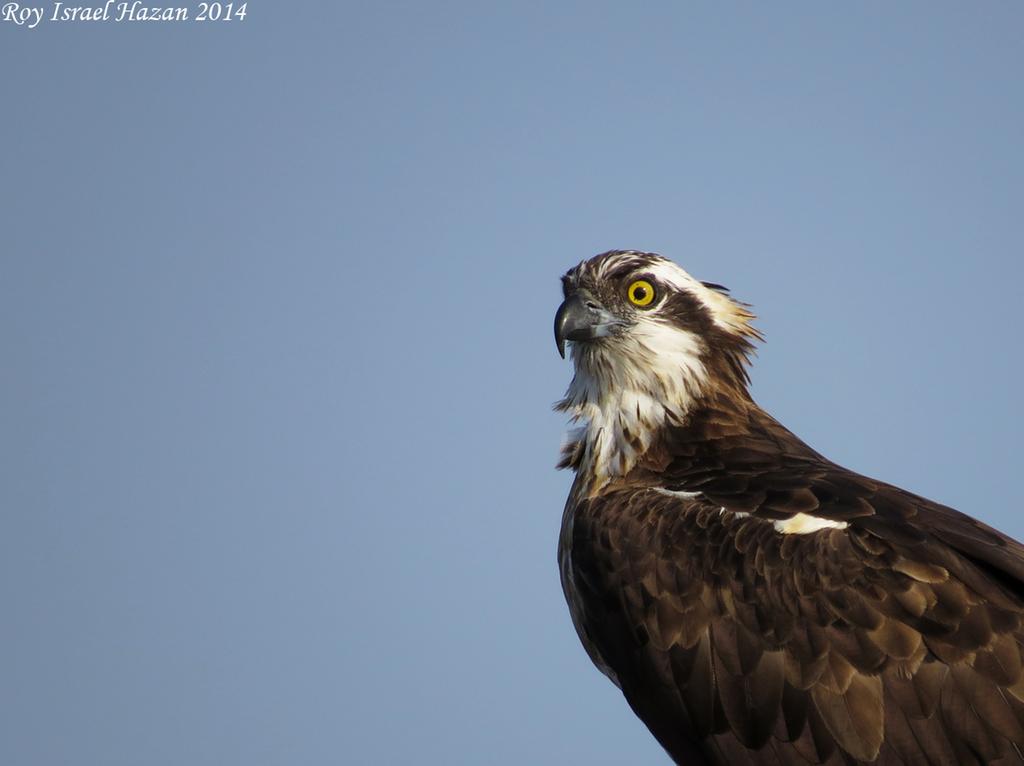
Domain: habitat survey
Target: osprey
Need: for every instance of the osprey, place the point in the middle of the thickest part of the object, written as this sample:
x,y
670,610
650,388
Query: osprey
x,y
755,602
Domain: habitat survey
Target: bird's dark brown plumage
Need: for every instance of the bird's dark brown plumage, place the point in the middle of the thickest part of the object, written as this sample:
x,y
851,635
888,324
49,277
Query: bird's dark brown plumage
x,y
895,639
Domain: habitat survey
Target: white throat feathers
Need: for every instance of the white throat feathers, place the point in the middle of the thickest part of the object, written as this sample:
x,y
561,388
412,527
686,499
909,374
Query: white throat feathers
x,y
618,399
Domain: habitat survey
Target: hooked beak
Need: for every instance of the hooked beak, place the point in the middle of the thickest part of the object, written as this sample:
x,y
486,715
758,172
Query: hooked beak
x,y
582,318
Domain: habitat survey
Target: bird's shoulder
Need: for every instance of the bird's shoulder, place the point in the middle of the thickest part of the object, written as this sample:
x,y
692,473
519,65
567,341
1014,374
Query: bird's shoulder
x,y
893,630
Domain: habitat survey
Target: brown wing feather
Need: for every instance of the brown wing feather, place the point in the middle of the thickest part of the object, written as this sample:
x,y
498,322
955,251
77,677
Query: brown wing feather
x,y
896,640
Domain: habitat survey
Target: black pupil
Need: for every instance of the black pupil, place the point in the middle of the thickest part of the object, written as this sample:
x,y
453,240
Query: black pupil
x,y
639,293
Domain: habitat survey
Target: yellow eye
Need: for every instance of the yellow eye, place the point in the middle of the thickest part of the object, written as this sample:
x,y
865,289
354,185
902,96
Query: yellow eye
x,y
641,293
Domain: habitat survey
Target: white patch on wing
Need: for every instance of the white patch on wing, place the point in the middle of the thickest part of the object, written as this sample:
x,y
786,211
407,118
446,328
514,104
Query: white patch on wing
x,y
682,494
804,523
677,493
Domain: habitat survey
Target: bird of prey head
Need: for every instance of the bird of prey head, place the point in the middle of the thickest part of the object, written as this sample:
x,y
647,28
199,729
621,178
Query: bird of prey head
x,y
625,294
648,341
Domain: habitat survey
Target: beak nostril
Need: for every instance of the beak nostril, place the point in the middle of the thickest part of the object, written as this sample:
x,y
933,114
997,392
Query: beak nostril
x,y
582,318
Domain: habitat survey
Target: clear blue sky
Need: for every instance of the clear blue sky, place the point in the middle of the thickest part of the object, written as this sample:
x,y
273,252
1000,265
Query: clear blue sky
x,y
276,444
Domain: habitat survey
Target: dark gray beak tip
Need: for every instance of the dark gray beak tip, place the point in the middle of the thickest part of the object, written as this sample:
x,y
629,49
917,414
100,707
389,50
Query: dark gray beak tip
x,y
564,322
581,318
